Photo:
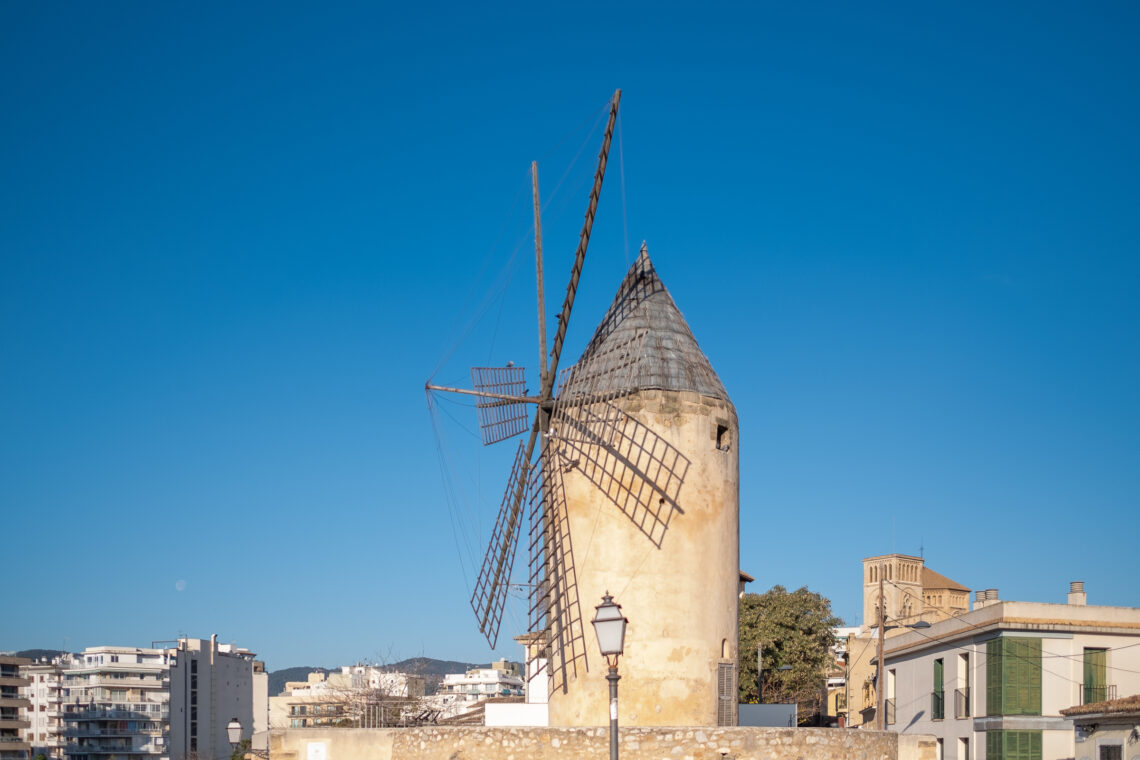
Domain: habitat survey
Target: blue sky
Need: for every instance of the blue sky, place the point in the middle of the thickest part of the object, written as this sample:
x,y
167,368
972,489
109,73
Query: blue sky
x,y
237,239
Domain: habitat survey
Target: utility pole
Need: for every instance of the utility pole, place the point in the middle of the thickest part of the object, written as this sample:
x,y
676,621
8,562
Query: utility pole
x,y
880,685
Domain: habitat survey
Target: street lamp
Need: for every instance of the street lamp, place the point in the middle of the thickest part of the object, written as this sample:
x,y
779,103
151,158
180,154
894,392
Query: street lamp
x,y
609,626
233,733
880,687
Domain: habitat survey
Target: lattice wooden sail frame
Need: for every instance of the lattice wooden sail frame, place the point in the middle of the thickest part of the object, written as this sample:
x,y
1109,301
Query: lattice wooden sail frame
x,y
489,598
500,419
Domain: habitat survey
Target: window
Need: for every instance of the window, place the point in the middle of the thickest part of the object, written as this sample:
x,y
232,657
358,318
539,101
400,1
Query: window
x,y
1013,745
727,696
938,698
963,749
962,694
1110,752
723,438
890,701
1095,682
1013,677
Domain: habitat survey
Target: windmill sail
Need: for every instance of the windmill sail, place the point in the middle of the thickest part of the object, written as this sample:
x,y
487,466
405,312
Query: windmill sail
x,y
500,419
490,595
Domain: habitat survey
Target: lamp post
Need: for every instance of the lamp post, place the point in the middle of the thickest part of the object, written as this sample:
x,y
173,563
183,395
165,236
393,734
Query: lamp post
x,y
609,626
880,687
233,732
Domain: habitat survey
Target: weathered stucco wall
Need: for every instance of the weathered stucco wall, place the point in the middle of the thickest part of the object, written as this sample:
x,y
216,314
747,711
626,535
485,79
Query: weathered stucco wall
x,y
660,743
674,567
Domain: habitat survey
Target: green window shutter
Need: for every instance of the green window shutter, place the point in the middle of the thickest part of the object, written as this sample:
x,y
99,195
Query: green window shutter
x,y
937,699
993,680
993,745
1021,676
1013,745
1095,678
1032,651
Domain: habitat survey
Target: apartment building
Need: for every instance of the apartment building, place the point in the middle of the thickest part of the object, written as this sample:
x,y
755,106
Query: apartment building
x,y
45,731
158,703
993,683
13,746
359,695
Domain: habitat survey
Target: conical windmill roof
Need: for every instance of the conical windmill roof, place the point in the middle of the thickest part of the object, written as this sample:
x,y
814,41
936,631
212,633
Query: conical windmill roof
x,y
667,356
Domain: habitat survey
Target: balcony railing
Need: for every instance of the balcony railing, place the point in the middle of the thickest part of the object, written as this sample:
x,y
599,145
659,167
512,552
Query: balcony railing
x,y
97,714
890,710
937,705
98,730
962,703
1090,693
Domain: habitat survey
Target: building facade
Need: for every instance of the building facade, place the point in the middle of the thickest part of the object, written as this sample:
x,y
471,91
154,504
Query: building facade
x,y
131,703
45,731
911,592
992,683
1107,730
13,706
361,696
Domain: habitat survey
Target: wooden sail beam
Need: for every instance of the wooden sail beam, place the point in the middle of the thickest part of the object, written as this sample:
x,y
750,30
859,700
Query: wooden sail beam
x,y
580,254
542,420
538,275
485,394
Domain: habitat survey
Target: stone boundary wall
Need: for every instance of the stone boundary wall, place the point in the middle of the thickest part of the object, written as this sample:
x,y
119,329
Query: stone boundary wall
x,y
480,743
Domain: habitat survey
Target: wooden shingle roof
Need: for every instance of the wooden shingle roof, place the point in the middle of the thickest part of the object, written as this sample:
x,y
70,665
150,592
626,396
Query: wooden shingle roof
x,y
666,357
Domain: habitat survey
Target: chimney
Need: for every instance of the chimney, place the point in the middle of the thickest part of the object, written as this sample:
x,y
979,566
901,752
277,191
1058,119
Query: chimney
x,y
1077,594
985,598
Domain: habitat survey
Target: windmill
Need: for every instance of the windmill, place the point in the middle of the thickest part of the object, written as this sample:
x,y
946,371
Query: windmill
x,y
586,438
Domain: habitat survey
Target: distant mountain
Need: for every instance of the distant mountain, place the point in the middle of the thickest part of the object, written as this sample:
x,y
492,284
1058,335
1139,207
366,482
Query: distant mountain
x,y
40,654
433,672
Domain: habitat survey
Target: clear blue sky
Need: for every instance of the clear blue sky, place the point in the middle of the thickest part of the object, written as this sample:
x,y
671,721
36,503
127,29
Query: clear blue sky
x,y
237,238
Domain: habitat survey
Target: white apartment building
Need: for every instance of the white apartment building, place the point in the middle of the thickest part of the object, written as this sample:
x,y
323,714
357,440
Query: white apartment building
x,y
991,683
379,680
359,695
130,703
45,712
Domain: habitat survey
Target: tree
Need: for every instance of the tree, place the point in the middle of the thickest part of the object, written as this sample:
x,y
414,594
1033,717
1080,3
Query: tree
x,y
791,629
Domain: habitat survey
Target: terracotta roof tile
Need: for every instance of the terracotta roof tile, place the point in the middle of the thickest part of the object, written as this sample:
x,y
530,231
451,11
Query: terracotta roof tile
x,y
931,579
1122,705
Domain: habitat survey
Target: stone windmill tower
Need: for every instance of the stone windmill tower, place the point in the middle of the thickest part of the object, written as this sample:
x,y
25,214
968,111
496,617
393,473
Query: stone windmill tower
x,y
629,479
653,508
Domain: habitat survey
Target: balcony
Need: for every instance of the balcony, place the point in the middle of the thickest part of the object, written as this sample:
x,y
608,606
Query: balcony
x,y
1100,693
962,703
937,705
111,682
113,748
118,714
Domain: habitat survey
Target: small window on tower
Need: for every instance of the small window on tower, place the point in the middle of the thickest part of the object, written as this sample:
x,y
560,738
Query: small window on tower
x,y
723,438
